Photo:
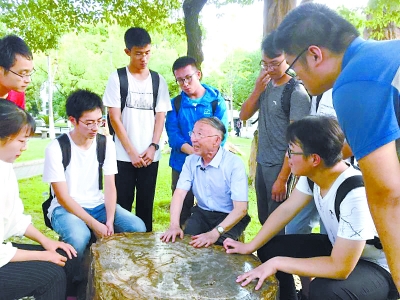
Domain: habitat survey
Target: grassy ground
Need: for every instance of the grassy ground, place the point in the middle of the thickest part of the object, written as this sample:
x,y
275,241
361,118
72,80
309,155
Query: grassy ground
x,y
32,189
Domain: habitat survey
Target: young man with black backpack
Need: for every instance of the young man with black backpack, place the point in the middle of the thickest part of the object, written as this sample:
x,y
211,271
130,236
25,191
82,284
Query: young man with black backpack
x,y
346,263
137,100
74,170
196,101
270,96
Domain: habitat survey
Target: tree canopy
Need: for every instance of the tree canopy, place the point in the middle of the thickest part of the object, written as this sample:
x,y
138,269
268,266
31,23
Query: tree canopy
x,y
44,22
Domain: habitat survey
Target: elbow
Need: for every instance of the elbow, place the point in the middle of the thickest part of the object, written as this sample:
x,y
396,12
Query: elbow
x,y
343,274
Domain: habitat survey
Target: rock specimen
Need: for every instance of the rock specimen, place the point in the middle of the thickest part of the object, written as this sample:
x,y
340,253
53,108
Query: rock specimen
x,y
140,266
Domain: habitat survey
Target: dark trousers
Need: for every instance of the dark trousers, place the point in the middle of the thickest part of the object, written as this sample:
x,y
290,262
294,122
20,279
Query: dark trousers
x,y
202,221
188,202
41,279
143,180
368,281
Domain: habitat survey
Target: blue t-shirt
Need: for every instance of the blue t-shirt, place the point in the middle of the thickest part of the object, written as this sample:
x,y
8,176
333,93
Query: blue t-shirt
x,y
215,187
366,94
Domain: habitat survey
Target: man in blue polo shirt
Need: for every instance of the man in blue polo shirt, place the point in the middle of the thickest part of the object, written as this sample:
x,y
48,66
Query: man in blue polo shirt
x,y
218,180
326,51
197,100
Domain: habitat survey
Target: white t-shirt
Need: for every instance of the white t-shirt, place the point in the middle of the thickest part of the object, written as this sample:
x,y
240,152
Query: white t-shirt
x,y
325,107
138,115
355,218
13,222
81,175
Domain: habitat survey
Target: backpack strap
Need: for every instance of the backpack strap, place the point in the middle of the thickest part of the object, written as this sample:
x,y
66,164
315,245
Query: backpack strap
x,y
287,94
65,145
101,142
123,86
214,105
318,100
155,80
345,187
310,184
177,103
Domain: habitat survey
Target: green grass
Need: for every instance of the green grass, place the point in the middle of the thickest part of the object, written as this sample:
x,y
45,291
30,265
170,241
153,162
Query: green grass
x,y
35,149
32,189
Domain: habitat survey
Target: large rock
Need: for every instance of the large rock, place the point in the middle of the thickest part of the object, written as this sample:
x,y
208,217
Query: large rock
x,y
140,266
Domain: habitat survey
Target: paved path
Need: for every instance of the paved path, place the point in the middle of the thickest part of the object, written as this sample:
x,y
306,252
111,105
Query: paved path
x,y
29,169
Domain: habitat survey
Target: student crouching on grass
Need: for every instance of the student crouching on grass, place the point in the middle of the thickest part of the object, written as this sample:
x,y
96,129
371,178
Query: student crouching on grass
x,y
25,270
348,262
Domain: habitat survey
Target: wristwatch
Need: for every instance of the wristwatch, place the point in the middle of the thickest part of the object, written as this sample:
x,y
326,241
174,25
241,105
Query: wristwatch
x,y
155,146
220,229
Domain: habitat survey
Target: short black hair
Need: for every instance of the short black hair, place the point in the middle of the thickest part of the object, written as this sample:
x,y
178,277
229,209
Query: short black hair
x,y
13,119
10,46
314,24
268,46
136,37
318,135
81,101
184,61
215,123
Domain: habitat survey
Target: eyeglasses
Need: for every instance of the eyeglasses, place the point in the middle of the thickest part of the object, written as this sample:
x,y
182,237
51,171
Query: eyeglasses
x,y
199,136
288,70
266,66
187,78
290,152
93,124
23,75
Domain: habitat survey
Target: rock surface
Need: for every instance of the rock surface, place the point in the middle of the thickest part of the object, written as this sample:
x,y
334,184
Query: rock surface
x,y
139,266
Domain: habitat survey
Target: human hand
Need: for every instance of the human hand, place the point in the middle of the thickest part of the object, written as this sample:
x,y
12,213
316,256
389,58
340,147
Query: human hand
x,y
171,234
137,160
205,239
51,245
148,155
261,272
110,227
279,190
232,246
54,257
99,229
262,80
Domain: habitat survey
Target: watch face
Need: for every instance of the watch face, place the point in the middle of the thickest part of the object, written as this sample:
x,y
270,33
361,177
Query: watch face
x,y
220,229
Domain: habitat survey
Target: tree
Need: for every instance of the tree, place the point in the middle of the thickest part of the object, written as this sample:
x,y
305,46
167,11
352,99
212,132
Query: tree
x,y
380,20
43,22
274,12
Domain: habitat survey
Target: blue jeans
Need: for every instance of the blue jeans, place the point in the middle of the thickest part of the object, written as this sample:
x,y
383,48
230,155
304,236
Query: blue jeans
x,y
305,221
74,231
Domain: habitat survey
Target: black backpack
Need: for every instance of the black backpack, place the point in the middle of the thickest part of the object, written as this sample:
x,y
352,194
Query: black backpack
x,y
178,100
344,188
123,89
65,146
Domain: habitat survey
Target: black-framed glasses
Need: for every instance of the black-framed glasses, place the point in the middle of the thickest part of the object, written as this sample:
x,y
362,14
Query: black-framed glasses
x,y
187,78
290,152
23,75
93,124
288,70
266,66
199,136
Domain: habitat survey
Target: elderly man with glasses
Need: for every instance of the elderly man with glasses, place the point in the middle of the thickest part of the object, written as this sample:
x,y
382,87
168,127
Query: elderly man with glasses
x,y
196,100
16,68
268,98
218,179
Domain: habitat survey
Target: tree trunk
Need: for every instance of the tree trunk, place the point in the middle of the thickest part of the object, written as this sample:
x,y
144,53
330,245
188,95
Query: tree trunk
x,y
391,32
191,10
274,12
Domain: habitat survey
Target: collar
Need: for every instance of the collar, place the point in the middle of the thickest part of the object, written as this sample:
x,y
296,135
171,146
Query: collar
x,y
351,50
215,162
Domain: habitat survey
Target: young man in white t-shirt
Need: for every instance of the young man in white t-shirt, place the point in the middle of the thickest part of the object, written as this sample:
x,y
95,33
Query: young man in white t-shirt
x,y
138,127
79,207
343,264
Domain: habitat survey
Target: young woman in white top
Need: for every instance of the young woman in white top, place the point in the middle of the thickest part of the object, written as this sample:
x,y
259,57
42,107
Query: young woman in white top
x,y
25,270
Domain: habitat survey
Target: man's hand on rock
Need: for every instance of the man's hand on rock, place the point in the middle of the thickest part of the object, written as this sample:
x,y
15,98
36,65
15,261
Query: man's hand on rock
x,y
204,239
171,234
